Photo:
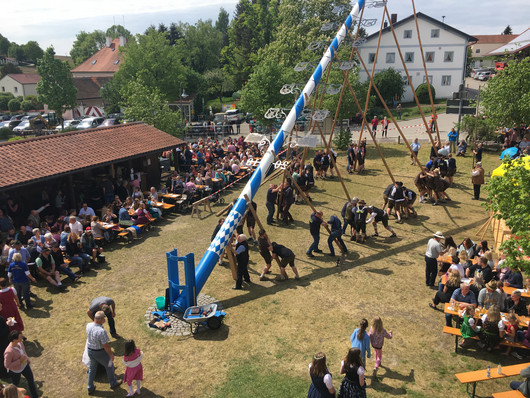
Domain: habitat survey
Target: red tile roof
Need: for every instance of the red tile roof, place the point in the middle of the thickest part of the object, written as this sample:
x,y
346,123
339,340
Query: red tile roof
x,y
25,78
500,39
105,60
27,161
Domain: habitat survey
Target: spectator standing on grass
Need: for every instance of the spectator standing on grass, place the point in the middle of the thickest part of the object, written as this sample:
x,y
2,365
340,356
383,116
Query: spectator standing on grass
x,y
477,179
243,258
16,361
375,122
19,275
385,124
398,112
321,381
434,249
478,153
453,136
353,385
378,334
415,146
361,340
99,352
134,371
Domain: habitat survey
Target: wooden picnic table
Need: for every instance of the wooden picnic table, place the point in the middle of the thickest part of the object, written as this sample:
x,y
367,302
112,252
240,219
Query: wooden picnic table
x,y
172,196
523,320
510,290
481,375
164,206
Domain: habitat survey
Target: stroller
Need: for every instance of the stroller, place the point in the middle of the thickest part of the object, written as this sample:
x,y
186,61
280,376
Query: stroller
x,y
216,197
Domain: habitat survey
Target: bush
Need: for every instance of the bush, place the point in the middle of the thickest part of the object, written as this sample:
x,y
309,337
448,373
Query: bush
x,y
13,105
236,95
34,102
4,100
26,105
16,138
68,129
343,139
422,92
5,133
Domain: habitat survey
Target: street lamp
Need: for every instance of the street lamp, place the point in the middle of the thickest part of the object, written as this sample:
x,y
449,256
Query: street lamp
x,y
182,96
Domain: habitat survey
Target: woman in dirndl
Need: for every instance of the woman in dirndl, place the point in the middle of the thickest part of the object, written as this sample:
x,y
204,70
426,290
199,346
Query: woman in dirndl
x,y
353,384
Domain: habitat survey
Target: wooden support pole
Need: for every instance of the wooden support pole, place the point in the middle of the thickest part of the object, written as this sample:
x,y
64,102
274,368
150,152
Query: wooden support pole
x,y
303,195
391,116
335,166
426,73
369,132
427,127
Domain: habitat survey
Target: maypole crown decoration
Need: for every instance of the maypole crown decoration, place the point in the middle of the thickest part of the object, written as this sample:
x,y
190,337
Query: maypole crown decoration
x,y
320,115
281,165
368,22
376,4
221,240
328,26
316,45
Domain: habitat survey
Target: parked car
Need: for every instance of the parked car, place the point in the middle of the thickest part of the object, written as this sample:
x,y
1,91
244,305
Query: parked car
x,y
90,123
111,121
4,124
14,123
69,123
4,117
23,126
484,75
234,116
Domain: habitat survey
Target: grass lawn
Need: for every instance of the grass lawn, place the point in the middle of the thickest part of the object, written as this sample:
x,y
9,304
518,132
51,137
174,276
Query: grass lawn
x,y
273,329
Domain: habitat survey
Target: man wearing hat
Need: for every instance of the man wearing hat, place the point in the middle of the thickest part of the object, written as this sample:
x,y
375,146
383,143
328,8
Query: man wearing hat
x,y
88,244
489,296
434,249
477,178
46,268
347,214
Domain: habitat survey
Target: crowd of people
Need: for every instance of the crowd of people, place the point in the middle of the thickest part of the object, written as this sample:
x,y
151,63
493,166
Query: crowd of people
x,y
472,282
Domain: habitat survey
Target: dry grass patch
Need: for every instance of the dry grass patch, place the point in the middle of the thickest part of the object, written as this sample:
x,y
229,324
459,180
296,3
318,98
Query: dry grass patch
x,y
272,329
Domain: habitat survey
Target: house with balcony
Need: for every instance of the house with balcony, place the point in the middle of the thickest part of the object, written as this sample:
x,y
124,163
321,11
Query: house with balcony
x,y
444,47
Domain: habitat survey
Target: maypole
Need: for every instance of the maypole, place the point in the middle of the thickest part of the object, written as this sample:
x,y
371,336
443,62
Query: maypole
x,y
210,258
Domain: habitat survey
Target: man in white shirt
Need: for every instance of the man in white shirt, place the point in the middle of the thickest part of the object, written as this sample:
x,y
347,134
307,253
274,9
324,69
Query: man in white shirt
x,y
434,249
76,226
86,211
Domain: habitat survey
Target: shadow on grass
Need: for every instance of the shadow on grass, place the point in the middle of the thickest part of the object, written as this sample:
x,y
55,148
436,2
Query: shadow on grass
x,y
378,385
207,334
33,348
258,291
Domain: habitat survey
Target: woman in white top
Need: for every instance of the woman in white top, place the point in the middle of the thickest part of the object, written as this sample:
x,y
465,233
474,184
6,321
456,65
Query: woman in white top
x,y
353,384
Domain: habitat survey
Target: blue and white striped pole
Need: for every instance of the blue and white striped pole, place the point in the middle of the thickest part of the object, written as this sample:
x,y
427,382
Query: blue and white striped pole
x,y
211,257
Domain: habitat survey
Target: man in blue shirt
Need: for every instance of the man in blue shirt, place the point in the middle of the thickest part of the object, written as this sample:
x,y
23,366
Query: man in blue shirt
x,y
461,298
17,248
315,222
336,233
453,137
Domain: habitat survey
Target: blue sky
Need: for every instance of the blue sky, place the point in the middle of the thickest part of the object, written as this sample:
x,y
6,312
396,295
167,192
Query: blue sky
x,y
57,22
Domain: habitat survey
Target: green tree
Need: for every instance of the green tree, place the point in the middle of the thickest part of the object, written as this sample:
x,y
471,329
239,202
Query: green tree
x,y
32,51
508,199
222,24
156,64
422,92
145,103
203,44
507,30
389,83
86,44
4,45
110,92
13,105
9,68
497,99
16,51
116,31
56,87
483,126
219,82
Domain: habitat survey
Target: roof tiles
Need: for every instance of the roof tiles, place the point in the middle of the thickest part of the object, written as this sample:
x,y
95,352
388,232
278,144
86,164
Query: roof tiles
x,y
27,161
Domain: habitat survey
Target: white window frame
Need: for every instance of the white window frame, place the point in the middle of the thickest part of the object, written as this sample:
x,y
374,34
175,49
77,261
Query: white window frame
x,y
446,80
407,56
390,58
430,79
406,80
450,55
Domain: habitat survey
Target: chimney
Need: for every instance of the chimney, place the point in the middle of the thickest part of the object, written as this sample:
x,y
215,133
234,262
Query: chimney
x,y
393,18
122,41
108,41
385,25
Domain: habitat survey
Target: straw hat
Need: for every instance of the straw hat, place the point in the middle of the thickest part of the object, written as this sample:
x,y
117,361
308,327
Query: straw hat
x,y
438,234
491,285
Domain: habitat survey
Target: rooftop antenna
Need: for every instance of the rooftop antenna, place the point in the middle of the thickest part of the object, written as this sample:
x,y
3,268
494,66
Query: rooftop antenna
x,y
443,18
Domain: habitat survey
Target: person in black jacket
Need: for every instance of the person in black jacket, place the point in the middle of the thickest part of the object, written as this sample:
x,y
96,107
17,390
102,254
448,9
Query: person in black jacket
x,y
242,257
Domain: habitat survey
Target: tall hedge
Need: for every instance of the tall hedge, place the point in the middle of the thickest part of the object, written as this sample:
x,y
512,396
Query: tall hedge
x,y
423,93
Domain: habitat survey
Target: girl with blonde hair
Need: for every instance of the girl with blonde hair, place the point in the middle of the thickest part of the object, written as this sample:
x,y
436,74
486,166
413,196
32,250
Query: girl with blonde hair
x,y
377,335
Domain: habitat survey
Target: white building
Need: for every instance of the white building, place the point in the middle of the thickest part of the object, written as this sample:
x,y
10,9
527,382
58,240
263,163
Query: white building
x,y
445,50
23,84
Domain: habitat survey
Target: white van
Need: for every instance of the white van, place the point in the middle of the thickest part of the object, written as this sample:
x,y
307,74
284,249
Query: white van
x,y
234,116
